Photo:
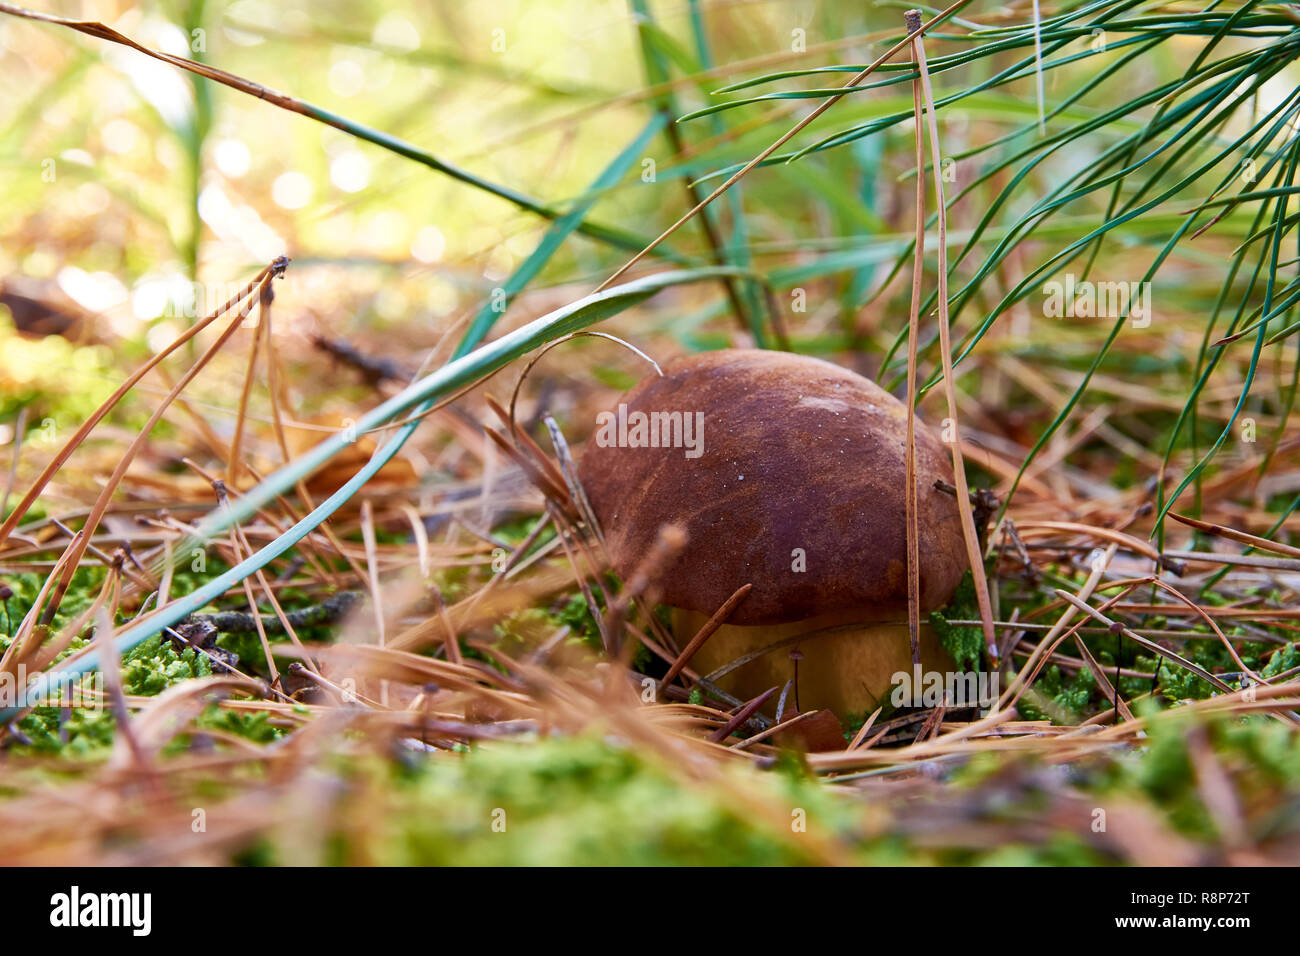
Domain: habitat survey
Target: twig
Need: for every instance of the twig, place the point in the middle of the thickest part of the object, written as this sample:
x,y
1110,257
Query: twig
x,y
913,331
973,549
1149,645
275,268
867,724
774,729
794,130
704,633
78,547
725,731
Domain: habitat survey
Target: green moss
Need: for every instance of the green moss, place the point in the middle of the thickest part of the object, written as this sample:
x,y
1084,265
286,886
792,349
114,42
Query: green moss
x,y
1133,687
583,801
1165,771
1285,659
1068,699
82,591
79,734
1270,750
154,665
453,583
580,621
963,642
146,670
513,532
1177,683
1162,770
591,801
255,726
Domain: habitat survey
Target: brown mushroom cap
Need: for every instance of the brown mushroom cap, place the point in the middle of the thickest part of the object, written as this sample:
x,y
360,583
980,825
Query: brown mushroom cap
x,y
797,454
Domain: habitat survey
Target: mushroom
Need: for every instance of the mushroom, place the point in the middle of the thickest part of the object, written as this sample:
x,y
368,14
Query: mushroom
x,y
787,473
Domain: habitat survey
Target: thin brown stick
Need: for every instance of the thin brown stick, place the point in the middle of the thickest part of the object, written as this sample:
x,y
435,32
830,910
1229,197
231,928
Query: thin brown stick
x,y
112,672
945,348
704,633
867,724
1149,645
725,731
1136,545
1241,537
793,131
78,547
274,269
372,581
913,326
730,284
1110,690
774,729
235,457
1024,678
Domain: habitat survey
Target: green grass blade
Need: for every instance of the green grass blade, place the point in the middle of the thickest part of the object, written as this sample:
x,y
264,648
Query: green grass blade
x,y
555,236
453,376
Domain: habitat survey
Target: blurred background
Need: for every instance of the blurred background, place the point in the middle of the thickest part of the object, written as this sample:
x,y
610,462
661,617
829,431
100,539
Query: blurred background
x,y
440,172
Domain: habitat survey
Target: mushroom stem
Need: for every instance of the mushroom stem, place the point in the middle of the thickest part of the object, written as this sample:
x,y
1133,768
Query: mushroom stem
x,y
704,633
846,666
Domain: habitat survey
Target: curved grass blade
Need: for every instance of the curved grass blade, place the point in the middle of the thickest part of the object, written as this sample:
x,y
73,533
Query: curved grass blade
x,y
452,377
559,231
607,234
